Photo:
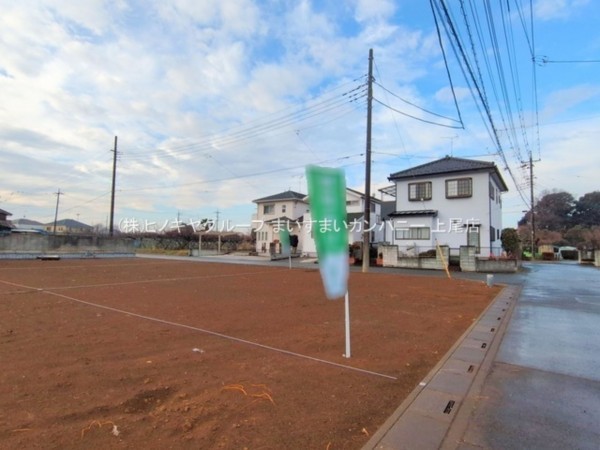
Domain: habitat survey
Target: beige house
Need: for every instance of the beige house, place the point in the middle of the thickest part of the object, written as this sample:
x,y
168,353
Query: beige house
x,y
68,226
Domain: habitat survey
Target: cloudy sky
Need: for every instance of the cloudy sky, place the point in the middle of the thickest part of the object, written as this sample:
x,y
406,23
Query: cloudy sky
x,y
219,102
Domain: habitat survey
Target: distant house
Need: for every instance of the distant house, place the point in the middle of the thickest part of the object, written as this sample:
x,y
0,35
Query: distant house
x,y
28,225
274,212
68,226
5,224
451,201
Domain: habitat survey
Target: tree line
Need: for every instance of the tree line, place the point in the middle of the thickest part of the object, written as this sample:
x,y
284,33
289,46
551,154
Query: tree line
x,y
562,220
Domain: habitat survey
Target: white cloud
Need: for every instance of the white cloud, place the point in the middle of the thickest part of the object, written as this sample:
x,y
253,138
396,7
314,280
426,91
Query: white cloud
x,y
199,94
557,9
367,10
561,101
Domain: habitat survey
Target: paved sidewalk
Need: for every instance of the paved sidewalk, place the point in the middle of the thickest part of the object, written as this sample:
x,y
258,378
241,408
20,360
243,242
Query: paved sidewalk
x,y
426,416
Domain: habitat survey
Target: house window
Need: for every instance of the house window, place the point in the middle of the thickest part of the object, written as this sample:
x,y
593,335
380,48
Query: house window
x,y
268,209
419,191
352,202
492,191
283,207
492,234
416,233
459,188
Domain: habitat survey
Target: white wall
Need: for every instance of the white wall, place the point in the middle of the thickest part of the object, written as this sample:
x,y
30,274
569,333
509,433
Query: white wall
x,y
453,214
265,233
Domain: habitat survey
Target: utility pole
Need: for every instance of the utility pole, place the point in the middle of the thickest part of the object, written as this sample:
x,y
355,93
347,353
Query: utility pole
x,y
532,207
112,191
58,194
367,217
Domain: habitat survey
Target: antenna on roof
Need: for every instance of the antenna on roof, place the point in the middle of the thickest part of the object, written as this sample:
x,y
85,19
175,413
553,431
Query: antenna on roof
x,y
451,143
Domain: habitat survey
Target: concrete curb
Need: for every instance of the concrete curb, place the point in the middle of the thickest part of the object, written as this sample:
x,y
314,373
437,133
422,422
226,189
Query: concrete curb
x,y
436,412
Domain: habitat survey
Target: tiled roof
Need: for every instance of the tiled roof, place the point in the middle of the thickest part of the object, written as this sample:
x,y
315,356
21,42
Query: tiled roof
x,y
27,222
417,212
361,195
6,213
70,223
284,220
446,165
287,195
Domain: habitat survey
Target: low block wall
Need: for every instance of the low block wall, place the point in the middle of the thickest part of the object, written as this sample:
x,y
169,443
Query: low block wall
x,y
496,265
389,254
467,259
31,246
391,259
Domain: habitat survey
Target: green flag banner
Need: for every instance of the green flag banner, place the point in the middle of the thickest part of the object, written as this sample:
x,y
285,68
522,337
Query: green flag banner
x,y
327,198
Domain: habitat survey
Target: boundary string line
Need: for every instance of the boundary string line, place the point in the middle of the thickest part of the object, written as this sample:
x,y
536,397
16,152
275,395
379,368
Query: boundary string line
x,y
155,280
202,330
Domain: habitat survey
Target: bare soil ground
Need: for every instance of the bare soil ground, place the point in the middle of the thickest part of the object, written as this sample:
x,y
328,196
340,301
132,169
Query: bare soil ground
x,y
136,353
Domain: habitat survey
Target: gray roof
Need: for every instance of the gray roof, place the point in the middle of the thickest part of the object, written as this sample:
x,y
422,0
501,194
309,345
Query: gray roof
x,y
418,212
373,199
70,223
448,165
285,219
25,221
6,213
282,196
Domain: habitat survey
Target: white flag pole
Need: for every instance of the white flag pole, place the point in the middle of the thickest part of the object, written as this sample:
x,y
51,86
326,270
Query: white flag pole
x,y
347,313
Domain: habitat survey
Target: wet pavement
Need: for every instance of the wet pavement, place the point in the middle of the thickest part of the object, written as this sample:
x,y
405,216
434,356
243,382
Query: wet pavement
x,y
543,389
532,378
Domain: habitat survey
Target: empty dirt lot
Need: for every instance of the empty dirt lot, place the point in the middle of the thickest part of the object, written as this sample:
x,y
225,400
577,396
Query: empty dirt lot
x,y
137,353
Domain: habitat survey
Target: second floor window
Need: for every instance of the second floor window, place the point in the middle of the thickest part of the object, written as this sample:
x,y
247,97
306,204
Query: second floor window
x,y
268,209
459,188
283,208
419,191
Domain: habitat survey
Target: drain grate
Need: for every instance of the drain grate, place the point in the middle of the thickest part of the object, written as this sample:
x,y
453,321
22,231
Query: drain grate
x,y
449,407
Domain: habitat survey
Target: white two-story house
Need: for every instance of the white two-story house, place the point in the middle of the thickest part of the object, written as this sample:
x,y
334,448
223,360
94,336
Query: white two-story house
x,y
451,201
274,212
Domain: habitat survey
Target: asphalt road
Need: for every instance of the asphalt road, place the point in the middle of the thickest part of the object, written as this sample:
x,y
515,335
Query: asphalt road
x,y
543,390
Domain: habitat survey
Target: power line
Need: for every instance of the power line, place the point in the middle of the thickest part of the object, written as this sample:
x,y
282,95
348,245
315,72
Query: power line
x,y
476,83
541,60
263,126
415,105
255,174
396,126
417,118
